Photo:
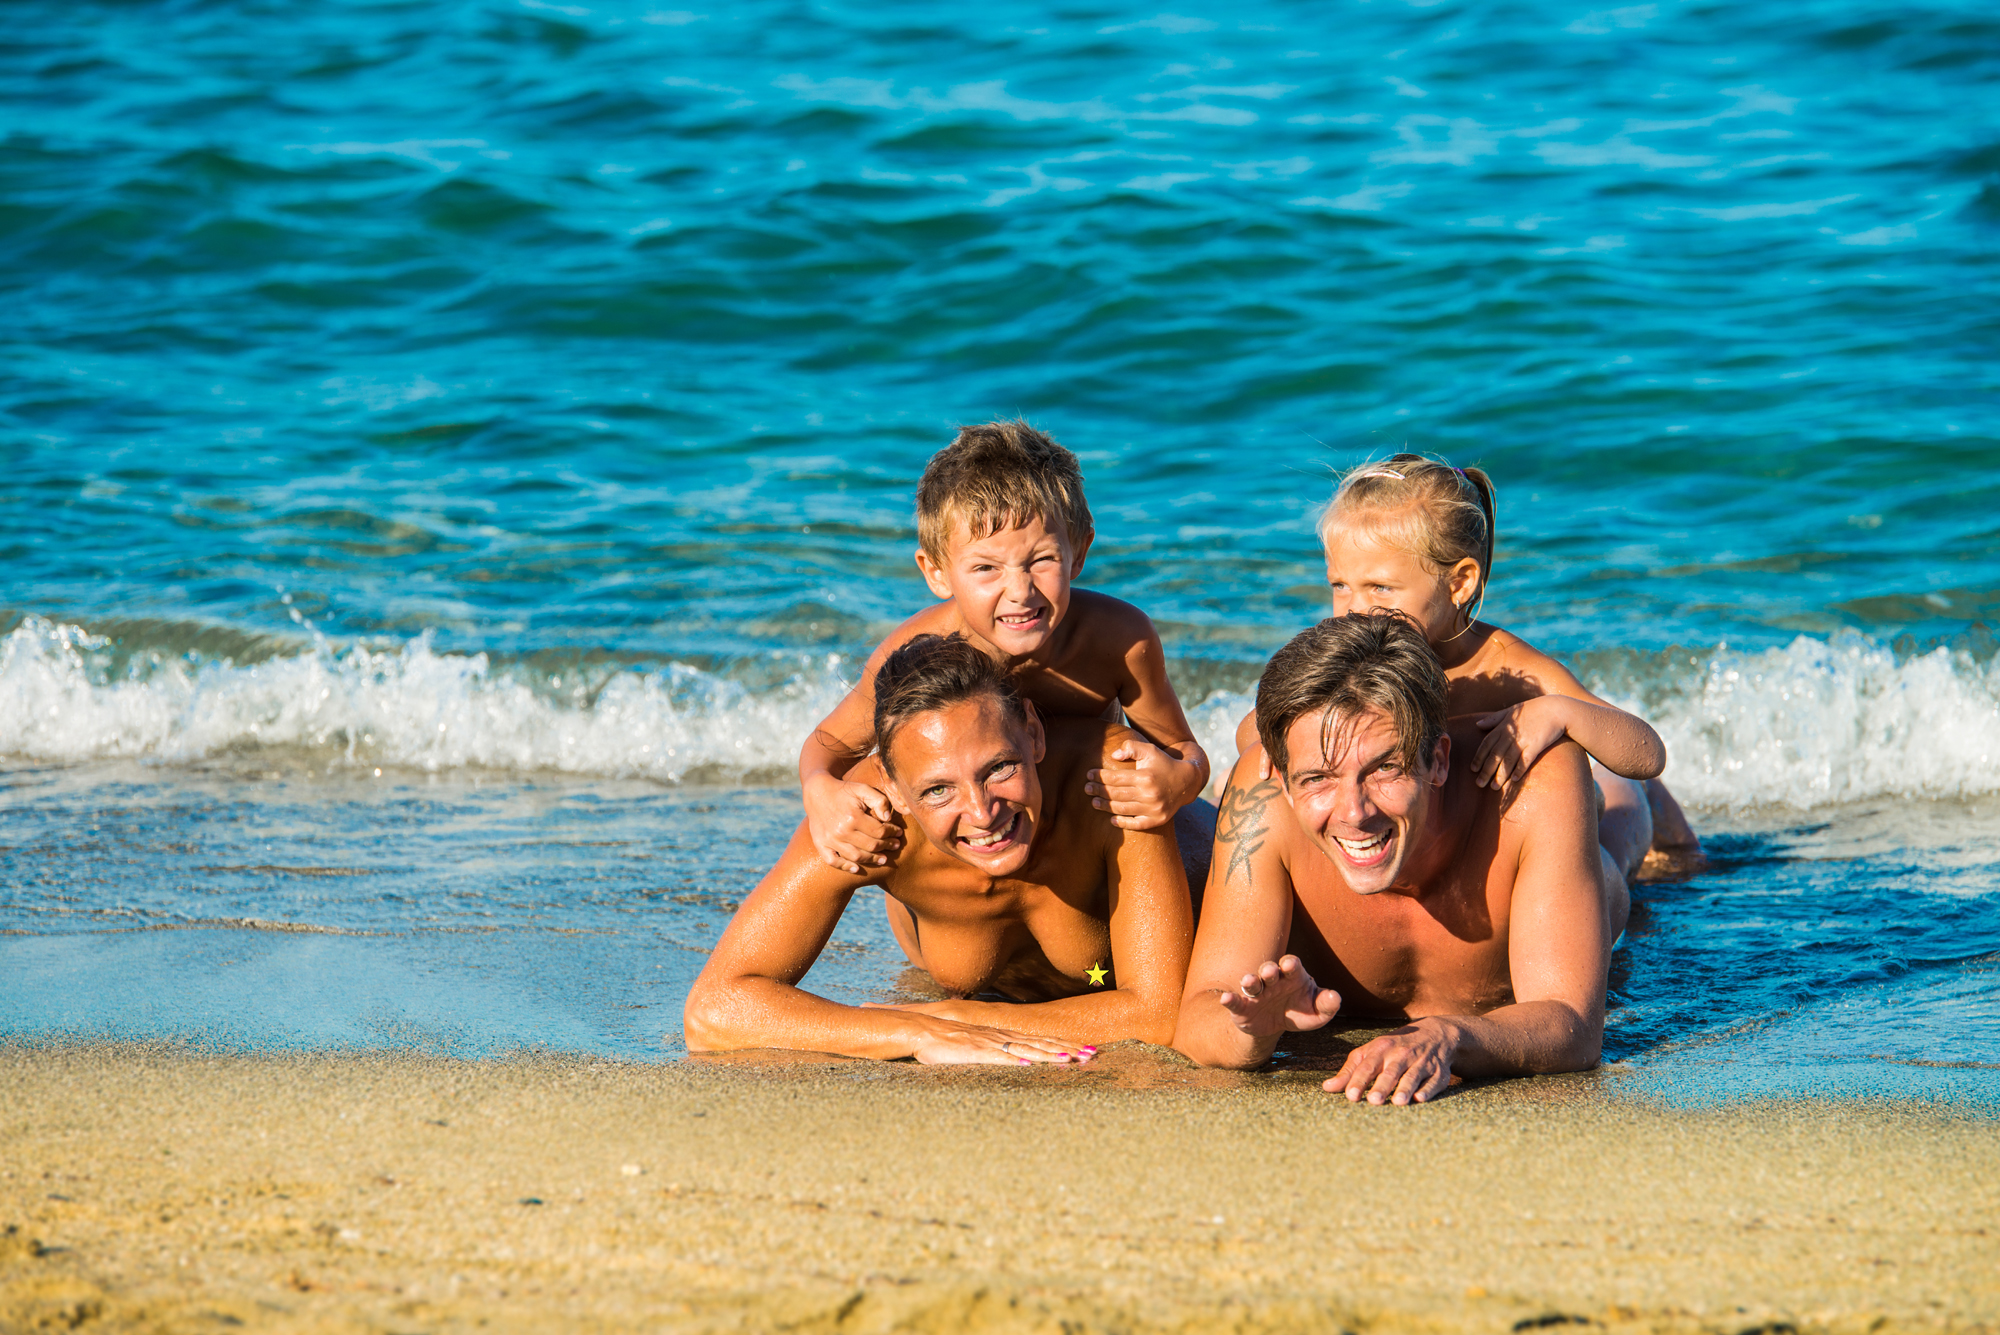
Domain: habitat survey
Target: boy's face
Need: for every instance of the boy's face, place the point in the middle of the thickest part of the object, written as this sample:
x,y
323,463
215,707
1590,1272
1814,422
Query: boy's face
x,y
1012,587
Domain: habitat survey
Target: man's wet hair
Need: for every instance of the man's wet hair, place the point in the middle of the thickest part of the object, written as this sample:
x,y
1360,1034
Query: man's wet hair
x,y
1348,666
999,475
935,672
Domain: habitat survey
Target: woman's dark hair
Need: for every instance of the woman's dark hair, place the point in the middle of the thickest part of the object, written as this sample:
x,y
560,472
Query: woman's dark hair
x,y
1347,666
934,672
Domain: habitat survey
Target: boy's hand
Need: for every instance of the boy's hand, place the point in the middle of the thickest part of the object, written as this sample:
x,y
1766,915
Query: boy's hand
x,y
852,824
1146,796
1516,737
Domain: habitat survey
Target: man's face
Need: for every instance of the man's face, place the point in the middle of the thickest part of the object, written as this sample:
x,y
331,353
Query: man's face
x,y
966,775
1012,586
1355,800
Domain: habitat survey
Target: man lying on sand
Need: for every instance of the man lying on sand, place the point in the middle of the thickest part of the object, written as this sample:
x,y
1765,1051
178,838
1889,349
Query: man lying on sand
x,y
1006,882
1371,863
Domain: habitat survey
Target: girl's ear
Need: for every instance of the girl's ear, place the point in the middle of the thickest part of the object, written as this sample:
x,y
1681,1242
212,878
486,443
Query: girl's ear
x,y
1462,582
933,574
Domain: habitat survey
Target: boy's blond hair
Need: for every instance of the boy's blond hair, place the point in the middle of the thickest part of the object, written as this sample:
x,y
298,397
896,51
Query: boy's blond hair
x,y
1439,514
999,475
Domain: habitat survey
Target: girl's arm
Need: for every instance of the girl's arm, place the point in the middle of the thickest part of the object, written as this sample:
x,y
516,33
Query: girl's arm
x,y
1171,772
1519,734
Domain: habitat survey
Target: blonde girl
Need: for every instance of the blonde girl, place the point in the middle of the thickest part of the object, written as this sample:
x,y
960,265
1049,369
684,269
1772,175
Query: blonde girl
x,y
1415,536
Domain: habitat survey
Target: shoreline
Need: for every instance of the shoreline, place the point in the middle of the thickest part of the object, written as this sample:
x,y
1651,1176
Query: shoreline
x,y
156,1188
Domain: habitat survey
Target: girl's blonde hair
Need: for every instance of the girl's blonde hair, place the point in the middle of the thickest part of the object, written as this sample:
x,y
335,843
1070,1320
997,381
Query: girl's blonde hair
x,y
1436,513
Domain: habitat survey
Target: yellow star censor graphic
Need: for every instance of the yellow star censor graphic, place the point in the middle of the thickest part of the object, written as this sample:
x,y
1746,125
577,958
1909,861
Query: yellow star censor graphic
x,y
1095,973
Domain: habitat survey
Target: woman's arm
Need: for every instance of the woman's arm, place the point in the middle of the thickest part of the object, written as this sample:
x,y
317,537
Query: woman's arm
x,y
748,995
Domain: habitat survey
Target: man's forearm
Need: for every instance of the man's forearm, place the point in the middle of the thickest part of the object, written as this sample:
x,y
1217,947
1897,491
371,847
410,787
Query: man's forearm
x,y
1528,1038
1209,1036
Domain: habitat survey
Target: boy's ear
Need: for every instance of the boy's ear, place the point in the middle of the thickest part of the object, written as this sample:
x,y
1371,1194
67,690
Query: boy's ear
x,y
1076,557
933,574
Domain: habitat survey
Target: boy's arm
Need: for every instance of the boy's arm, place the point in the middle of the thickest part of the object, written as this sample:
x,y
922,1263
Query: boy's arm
x,y
747,995
1518,735
1152,928
1243,992
852,824
1171,772
1558,951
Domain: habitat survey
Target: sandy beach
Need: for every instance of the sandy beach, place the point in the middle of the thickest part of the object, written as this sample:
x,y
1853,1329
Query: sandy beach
x,y
159,1189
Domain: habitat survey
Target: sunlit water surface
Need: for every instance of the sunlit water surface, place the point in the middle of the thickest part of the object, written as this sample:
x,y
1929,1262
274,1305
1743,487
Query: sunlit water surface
x,y
524,400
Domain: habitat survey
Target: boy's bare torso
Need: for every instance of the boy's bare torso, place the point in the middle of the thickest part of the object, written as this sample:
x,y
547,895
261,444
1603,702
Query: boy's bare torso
x,y
1034,936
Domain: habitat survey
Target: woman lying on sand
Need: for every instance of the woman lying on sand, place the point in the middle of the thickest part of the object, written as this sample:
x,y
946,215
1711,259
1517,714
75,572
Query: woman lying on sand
x,y
1008,884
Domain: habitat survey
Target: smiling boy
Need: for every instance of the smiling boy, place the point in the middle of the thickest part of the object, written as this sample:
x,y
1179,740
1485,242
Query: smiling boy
x,y
1002,531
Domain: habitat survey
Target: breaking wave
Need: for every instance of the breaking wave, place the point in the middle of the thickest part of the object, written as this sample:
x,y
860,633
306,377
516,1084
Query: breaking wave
x,y
1812,723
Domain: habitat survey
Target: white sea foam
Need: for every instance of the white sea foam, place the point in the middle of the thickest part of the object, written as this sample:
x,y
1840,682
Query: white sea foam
x,y
409,707
1813,723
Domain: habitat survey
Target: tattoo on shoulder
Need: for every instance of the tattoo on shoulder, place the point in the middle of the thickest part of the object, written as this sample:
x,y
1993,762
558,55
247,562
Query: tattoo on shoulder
x,y
1241,824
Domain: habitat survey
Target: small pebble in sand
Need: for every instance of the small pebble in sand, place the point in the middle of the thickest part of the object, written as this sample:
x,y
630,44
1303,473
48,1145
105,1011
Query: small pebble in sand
x,y
631,1170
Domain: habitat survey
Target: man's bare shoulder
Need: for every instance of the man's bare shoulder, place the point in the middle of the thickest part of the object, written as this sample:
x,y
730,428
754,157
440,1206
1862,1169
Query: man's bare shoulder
x,y
1556,793
1253,824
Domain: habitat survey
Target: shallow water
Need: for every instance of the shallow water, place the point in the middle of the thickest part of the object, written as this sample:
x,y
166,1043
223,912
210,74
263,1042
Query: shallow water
x,y
525,399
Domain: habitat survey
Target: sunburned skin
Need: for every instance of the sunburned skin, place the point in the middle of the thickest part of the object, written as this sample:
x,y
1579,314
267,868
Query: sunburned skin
x,y
1367,891
1072,652
1007,882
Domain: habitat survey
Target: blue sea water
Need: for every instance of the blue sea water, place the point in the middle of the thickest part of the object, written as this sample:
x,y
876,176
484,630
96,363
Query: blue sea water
x,y
454,451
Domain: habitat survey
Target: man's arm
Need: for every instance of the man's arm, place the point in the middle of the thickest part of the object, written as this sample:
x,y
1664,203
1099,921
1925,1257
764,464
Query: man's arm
x,y
1243,993
1558,952
747,995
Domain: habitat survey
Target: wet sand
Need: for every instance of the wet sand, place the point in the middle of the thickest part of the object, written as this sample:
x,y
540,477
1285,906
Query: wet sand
x,y
168,1190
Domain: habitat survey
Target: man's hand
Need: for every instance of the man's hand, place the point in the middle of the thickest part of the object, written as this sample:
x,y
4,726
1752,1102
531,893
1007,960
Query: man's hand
x,y
852,824
1280,998
1515,738
1410,1065
1146,796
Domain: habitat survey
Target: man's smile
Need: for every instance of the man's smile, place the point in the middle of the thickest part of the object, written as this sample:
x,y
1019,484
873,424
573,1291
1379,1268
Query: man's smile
x,y
1367,851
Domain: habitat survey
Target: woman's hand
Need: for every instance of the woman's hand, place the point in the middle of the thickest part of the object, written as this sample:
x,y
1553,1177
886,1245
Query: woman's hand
x,y
953,1042
852,824
1515,738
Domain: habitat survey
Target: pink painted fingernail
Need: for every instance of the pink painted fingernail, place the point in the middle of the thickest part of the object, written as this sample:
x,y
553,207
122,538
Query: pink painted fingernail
x,y
1091,1051
1024,1061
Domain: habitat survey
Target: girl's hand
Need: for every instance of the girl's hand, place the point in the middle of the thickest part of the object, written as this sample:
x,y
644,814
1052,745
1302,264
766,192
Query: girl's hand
x,y
1146,796
852,825
1516,737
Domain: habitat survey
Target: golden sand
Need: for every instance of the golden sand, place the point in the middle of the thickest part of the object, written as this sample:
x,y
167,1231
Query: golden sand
x,y
146,1189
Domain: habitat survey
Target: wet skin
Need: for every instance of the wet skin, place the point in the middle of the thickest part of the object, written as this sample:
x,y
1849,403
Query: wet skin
x,y
1007,881
1357,887
1074,653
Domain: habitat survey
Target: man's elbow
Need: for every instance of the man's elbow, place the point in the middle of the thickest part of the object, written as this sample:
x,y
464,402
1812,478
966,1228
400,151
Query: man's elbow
x,y
1578,1048
1196,1038
705,1022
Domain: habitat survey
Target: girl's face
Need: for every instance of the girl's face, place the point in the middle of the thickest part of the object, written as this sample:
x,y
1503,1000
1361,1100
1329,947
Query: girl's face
x,y
1368,576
